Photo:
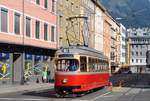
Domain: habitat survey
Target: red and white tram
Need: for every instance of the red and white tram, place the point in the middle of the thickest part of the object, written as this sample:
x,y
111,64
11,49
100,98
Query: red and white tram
x,y
90,70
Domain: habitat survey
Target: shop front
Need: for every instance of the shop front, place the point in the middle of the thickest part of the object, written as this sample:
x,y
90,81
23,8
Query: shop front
x,y
5,68
20,65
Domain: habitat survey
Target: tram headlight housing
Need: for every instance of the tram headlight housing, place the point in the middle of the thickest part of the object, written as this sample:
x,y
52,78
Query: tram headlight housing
x,y
64,81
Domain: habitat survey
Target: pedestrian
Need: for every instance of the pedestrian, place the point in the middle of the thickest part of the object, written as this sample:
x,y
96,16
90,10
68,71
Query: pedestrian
x,y
48,76
44,75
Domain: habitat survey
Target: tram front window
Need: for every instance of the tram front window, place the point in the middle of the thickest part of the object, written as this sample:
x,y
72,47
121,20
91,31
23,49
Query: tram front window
x,y
67,65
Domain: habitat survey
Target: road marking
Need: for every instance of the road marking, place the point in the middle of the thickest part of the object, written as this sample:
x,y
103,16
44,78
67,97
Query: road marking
x,y
80,100
100,96
133,91
94,98
23,99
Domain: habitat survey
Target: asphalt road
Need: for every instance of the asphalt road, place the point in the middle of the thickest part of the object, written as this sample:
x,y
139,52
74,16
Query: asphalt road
x,y
137,89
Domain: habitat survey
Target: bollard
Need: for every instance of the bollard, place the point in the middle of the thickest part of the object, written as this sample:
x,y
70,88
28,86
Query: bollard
x,y
110,85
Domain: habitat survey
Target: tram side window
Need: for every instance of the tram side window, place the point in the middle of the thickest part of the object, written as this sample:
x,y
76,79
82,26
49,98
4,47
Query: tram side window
x,y
104,66
107,66
83,64
97,67
101,65
90,64
67,65
94,65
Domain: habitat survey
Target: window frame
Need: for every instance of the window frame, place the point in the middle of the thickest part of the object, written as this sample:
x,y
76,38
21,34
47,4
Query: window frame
x,y
53,6
29,27
46,25
53,34
46,4
17,14
37,32
37,2
7,23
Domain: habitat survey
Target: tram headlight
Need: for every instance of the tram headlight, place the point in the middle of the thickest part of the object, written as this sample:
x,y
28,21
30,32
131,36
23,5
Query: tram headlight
x,y
64,80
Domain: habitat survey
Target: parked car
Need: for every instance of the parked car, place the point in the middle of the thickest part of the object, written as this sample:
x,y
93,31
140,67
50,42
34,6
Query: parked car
x,y
126,72
123,71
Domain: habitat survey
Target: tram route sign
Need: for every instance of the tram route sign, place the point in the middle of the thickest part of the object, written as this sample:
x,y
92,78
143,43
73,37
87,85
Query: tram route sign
x,y
66,55
65,50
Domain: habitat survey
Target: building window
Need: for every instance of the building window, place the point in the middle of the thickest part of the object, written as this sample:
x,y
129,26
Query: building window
x,y
72,7
17,23
4,20
76,10
53,5
123,47
132,60
45,31
123,54
38,2
141,60
136,60
46,3
52,33
145,34
37,29
141,53
135,34
60,21
28,26
123,38
136,53
132,53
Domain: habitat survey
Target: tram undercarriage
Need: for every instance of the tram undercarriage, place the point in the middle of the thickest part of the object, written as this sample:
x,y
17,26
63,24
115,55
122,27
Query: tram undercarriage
x,y
68,91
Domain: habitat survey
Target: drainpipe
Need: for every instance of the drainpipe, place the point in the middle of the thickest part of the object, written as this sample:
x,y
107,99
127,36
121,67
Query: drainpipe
x,y
22,54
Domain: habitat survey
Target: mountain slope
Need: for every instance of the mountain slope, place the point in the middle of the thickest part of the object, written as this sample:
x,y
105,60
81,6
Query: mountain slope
x,y
134,13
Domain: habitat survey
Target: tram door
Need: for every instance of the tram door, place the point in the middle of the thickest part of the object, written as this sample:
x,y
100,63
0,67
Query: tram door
x,y
17,67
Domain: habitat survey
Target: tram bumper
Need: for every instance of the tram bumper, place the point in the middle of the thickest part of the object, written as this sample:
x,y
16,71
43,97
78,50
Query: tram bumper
x,y
66,89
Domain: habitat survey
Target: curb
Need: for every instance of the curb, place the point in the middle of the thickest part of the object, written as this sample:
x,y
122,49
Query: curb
x,y
25,88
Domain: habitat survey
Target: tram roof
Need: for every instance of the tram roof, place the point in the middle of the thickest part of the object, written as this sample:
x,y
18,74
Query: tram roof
x,y
81,50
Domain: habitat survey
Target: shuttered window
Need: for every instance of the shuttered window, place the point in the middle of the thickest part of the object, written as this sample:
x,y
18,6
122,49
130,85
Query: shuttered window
x,y
37,29
28,26
45,31
52,33
17,23
4,20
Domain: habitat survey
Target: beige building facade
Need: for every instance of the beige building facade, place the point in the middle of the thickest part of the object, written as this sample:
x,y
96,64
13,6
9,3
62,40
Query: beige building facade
x,y
76,20
99,25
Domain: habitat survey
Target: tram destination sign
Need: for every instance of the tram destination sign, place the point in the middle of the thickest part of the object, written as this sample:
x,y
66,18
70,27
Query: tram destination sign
x,y
66,55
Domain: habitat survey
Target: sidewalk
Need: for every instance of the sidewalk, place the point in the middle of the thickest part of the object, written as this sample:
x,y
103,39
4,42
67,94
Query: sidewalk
x,y
26,88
